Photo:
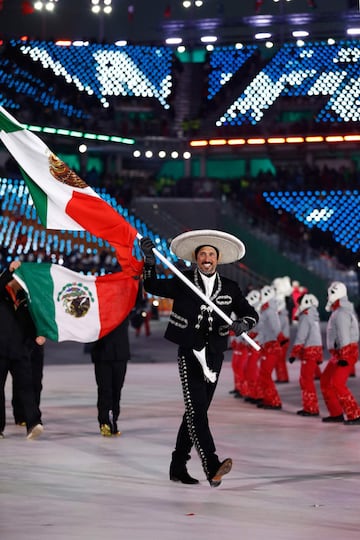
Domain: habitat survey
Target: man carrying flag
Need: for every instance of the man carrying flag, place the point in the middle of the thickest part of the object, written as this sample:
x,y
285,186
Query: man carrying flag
x,y
201,336
64,201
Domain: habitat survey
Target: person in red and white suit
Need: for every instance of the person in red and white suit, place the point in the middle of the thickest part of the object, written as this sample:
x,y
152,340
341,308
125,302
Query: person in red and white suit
x,y
238,364
269,337
251,371
283,289
308,348
342,339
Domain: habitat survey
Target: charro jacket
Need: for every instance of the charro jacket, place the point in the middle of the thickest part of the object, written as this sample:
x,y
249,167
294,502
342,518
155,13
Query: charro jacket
x,y
193,324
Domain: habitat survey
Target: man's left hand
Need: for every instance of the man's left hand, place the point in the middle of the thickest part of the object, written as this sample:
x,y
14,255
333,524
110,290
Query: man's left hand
x,y
240,326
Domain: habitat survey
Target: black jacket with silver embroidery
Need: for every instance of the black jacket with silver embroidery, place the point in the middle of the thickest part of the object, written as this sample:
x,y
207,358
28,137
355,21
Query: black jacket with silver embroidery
x,y
193,324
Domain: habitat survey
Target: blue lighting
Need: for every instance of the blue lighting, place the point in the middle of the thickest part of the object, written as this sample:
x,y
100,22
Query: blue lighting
x,y
104,70
224,63
336,212
316,69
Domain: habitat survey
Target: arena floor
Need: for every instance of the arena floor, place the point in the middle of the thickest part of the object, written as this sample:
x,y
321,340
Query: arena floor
x,y
293,478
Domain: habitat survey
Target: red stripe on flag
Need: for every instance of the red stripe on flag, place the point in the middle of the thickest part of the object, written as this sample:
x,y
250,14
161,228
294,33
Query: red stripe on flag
x,y
116,296
99,218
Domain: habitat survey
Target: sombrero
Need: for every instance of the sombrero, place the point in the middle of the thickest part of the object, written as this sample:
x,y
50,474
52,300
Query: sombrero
x,y
230,248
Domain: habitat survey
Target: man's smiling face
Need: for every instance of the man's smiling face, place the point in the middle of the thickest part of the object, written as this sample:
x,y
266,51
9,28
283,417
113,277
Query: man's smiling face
x,y
207,260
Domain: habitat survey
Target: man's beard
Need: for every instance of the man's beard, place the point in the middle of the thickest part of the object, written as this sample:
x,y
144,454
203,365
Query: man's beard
x,y
207,274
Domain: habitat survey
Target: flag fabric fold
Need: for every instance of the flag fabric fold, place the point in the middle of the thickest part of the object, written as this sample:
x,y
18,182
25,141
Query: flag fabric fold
x,y
68,306
62,199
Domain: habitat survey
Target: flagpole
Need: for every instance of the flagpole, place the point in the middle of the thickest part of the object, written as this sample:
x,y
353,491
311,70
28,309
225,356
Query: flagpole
x,y
199,292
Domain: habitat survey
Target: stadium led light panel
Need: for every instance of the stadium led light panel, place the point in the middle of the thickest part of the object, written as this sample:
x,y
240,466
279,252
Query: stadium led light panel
x,y
107,70
337,212
24,83
224,63
314,69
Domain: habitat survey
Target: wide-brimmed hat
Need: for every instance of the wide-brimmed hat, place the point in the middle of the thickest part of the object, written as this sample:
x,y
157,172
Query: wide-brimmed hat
x,y
230,248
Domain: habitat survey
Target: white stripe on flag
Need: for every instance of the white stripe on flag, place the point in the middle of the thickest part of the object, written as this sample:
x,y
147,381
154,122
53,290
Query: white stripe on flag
x,y
84,320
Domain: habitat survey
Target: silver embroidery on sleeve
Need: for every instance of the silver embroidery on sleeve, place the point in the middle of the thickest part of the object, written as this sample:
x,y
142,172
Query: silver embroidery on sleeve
x,y
224,300
224,330
178,320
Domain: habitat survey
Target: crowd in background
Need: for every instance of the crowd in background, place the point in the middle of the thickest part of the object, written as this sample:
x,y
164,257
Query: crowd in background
x,y
126,117
243,193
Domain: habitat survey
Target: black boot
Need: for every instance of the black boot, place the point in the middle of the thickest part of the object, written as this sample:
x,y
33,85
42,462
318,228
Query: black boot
x,y
178,471
215,477
114,429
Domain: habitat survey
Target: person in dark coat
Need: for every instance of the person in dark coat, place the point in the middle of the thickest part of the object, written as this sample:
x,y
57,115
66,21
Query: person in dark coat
x,y
110,356
17,335
202,337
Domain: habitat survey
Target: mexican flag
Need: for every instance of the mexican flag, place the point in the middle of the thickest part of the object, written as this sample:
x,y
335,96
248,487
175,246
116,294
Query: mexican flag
x,y
68,306
62,199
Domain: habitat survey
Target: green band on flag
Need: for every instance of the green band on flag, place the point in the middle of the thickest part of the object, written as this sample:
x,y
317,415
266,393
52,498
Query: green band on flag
x,y
7,125
38,196
41,294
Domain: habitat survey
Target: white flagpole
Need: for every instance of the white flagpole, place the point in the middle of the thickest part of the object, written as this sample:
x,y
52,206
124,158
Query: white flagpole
x,y
199,292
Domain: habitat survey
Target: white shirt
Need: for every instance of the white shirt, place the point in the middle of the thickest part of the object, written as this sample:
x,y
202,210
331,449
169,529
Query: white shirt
x,y
208,283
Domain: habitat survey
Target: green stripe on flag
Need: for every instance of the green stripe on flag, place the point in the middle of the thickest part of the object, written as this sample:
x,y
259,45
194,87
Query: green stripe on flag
x,y
39,283
38,196
7,125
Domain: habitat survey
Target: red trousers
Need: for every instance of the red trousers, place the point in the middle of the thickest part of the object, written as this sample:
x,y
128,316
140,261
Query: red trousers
x,y
266,387
252,372
238,363
281,370
333,384
310,358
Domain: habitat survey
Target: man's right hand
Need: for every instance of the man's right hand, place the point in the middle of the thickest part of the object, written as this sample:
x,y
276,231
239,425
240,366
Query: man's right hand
x,y
147,246
14,265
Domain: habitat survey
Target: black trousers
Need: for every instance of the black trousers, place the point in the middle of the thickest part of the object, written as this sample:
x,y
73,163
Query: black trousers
x,y
37,368
198,394
21,371
110,378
